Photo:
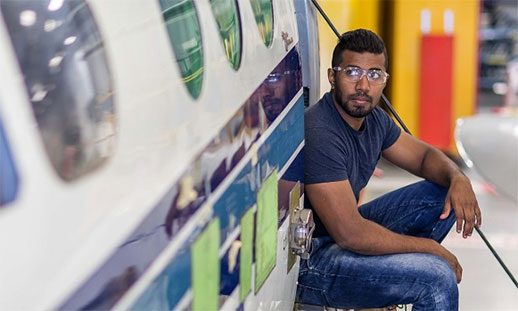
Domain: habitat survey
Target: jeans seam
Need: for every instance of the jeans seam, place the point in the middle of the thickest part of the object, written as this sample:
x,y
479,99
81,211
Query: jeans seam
x,y
322,273
314,270
314,288
421,283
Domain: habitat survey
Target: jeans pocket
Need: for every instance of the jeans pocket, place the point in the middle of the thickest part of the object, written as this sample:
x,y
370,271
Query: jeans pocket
x,y
311,296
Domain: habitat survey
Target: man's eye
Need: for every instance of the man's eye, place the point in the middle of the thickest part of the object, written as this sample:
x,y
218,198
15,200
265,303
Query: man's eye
x,y
352,72
374,75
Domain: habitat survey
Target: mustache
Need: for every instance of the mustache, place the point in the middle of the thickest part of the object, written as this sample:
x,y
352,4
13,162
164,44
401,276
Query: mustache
x,y
360,96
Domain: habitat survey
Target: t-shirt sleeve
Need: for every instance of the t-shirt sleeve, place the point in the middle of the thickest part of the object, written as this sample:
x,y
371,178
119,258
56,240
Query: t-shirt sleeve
x,y
325,158
391,130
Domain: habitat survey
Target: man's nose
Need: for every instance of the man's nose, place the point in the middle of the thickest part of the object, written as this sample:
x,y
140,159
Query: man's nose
x,y
363,84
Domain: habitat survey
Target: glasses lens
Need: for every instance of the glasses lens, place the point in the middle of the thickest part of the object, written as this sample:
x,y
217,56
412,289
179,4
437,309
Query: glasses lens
x,y
352,73
376,76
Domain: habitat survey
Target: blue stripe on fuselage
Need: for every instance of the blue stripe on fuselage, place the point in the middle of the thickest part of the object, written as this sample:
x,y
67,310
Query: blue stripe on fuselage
x,y
168,288
128,262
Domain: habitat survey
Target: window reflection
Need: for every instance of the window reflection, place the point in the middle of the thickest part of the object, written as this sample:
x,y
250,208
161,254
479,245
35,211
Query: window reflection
x,y
185,36
263,12
62,58
227,18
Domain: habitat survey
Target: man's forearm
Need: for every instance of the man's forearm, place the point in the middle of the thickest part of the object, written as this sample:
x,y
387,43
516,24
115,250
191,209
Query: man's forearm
x,y
438,168
372,239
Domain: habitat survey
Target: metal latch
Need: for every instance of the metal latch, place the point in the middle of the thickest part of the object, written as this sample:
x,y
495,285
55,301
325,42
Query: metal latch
x,y
301,231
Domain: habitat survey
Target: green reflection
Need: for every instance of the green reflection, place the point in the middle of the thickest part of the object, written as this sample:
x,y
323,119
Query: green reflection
x,y
263,12
227,17
184,33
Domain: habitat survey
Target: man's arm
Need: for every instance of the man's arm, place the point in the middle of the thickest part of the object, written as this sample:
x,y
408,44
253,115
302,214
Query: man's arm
x,y
428,162
335,204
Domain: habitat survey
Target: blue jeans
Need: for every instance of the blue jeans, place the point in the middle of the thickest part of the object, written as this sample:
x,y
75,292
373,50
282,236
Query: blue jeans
x,y
336,277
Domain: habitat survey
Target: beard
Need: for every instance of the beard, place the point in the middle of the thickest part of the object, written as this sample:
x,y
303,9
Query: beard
x,y
350,108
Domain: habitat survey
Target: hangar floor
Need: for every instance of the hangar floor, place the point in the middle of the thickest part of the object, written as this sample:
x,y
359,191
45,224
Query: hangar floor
x,y
485,285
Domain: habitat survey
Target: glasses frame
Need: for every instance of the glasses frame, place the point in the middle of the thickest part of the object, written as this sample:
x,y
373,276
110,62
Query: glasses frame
x,y
364,74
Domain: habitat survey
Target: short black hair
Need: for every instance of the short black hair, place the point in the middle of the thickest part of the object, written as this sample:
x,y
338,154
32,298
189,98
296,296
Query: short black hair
x,y
360,41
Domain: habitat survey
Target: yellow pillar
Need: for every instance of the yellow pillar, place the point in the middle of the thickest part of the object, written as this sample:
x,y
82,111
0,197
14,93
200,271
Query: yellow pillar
x,y
405,53
345,15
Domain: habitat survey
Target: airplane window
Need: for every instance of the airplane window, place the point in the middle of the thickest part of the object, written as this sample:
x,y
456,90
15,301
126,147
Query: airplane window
x,y
62,58
185,36
8,176
227,17
263,12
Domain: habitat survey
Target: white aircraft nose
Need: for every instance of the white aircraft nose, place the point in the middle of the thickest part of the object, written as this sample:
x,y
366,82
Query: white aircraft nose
x,y
489,143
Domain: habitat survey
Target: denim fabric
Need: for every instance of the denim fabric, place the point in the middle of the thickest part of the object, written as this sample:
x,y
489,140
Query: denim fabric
x,y
336,277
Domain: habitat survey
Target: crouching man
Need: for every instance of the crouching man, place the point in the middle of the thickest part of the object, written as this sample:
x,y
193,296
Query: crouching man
x,y
387,251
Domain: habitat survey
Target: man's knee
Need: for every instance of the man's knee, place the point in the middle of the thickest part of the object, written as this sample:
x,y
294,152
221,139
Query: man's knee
x,y
443,284
444,273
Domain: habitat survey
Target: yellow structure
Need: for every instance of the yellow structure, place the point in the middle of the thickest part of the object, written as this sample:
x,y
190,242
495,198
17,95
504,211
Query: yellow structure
x,y
345,15
405,55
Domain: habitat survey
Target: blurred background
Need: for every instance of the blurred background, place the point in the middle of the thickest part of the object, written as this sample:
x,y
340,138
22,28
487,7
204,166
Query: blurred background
x,y
451,60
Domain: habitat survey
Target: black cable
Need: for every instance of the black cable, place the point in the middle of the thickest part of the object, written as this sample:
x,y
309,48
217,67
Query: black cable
x,y
326,18
394,113
497,257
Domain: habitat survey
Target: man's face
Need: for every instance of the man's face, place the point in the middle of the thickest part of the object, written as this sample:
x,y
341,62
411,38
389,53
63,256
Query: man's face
x,y
357,99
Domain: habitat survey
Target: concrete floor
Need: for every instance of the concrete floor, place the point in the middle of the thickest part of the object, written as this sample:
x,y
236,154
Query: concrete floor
x,y
485,285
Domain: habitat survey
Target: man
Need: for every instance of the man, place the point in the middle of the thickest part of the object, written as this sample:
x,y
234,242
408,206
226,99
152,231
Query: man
x,y
387,251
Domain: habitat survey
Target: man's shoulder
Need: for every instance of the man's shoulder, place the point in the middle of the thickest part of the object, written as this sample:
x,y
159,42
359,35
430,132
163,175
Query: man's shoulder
x,y
314,112
319,114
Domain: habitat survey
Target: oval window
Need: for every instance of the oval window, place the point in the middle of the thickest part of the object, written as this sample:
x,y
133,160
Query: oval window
x,y
185,36
61,55
263,12
8,176
227,17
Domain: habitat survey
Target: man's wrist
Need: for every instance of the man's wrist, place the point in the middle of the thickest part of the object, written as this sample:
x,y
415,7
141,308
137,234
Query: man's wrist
x,y
458,175
434,248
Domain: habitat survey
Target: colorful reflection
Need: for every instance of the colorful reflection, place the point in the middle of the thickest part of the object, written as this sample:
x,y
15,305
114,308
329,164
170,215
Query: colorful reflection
x,y
185,36
227,17
263,12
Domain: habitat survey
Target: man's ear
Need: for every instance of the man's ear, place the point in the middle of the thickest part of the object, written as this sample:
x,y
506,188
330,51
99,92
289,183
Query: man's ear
x,y
331,77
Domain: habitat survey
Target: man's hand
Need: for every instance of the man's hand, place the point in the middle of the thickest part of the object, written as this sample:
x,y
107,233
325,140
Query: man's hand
x,y
452,260
462,199
432,164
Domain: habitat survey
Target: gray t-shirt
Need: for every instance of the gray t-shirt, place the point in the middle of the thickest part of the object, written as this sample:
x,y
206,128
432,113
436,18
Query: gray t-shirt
x,y
334,151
